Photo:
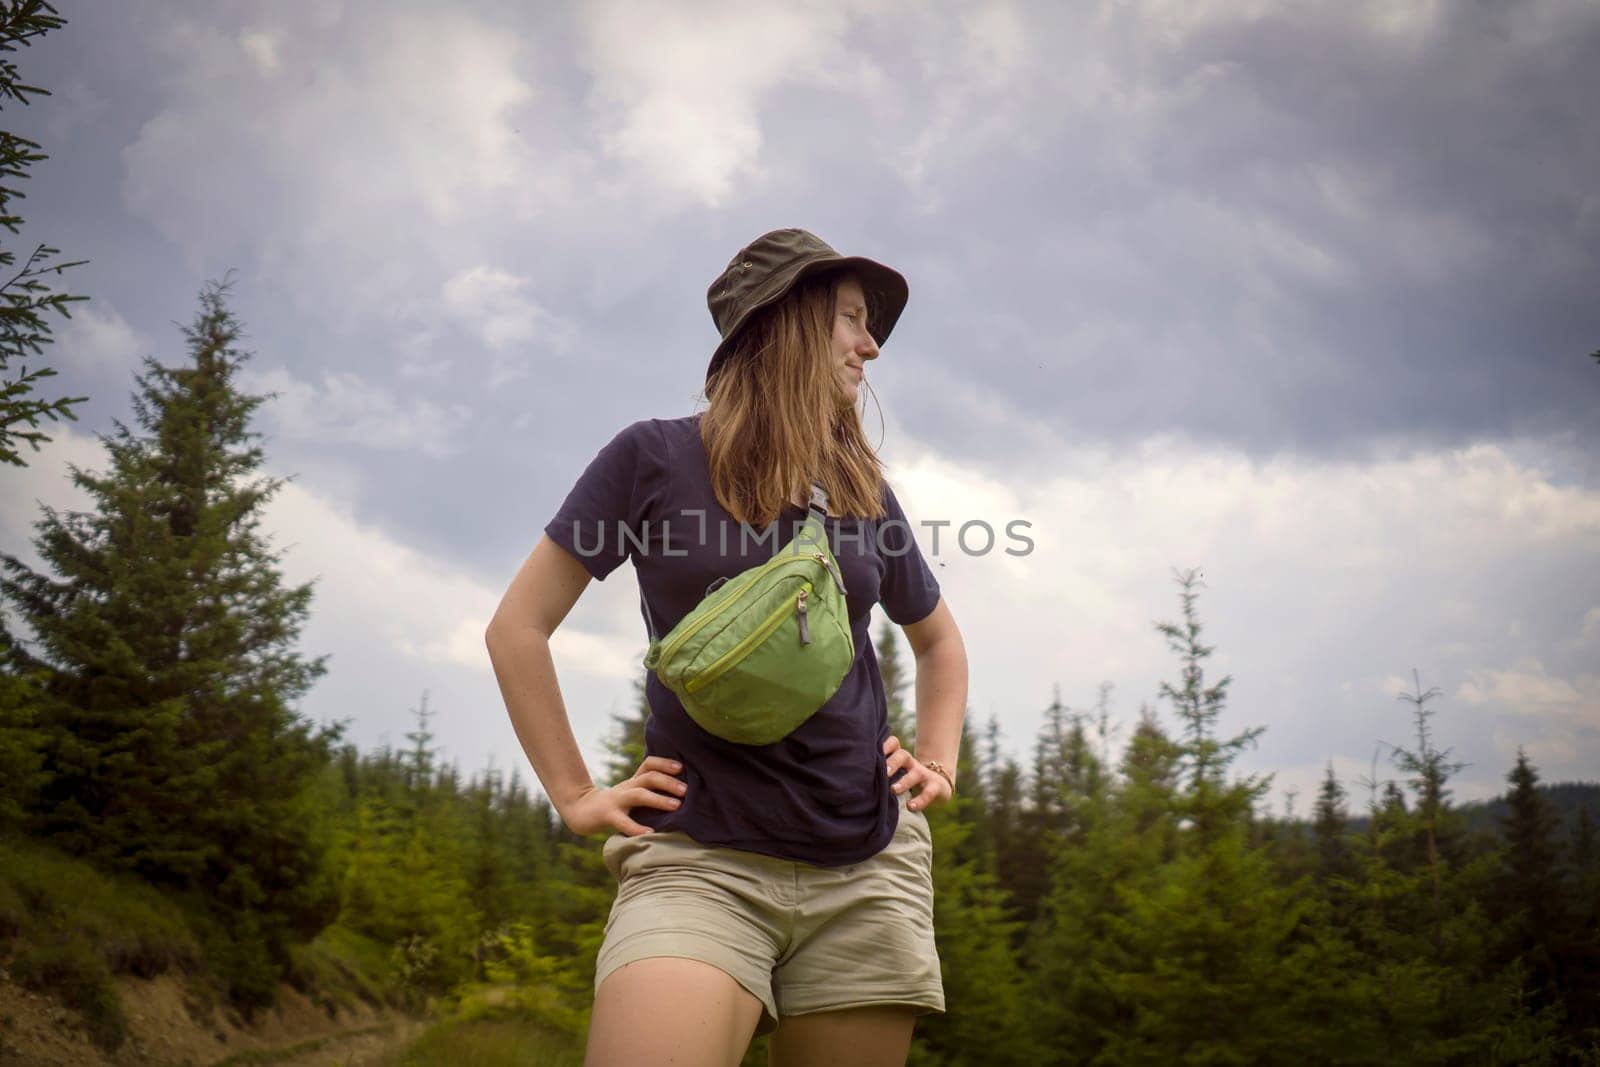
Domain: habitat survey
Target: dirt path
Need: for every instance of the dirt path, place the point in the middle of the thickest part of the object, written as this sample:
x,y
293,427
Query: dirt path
x,y
365,1047
164,1026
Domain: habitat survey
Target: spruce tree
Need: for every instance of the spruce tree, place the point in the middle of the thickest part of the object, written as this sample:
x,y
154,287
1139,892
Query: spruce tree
x,y
166,640
984,986
25,330
1530,899
1330,819
1433,991
421,755
973,811
21,741
25,298
1430,770
625,749
1213,804
902,722
1165,936
1003,814
1583,949
1048,792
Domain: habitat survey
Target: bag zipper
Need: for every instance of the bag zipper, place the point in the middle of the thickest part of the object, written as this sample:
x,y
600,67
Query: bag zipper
x,y
677,642
720,666
832,570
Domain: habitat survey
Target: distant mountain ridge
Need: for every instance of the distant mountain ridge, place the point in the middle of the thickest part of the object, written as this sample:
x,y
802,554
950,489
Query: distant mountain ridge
x,y
1566,799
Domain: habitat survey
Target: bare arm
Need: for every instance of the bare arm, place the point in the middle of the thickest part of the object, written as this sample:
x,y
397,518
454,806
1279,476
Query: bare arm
x,y
941,695
539,598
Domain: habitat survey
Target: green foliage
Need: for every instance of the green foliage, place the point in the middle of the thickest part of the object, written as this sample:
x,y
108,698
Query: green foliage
x,y
973,925
21,742
985,989
492,1041
68,929
167,672
1530,899
1103,908
514,959
902,721
1331,820
625,748
1211,804
341,969
446,878
72,971
25,297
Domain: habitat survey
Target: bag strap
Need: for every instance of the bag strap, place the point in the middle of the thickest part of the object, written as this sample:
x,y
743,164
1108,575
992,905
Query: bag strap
x,y
649,623
819,499
818,503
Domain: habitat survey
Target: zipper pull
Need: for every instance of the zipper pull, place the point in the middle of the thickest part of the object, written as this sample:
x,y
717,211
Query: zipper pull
x,y
800,609
828,563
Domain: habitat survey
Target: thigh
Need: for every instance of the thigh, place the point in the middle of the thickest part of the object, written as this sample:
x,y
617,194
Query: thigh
x,y
668,1010
864,933
850,1037
681,900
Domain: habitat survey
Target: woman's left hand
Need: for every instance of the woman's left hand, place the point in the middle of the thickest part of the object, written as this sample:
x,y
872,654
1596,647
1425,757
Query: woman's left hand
x,y
931,788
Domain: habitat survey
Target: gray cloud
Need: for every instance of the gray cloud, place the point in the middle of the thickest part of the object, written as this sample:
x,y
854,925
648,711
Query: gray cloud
x,y
1335,232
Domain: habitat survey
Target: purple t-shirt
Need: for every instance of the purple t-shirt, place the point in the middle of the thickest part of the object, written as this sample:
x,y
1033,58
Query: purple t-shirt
x,y
820,795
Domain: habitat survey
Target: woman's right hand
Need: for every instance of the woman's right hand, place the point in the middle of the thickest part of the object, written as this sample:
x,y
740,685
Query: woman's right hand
x,y
653,785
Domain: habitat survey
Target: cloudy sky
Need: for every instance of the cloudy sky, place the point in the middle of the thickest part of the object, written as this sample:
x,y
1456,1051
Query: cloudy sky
x,y
1302,295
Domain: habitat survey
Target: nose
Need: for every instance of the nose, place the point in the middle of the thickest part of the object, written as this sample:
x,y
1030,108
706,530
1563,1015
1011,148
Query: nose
x,y
868,348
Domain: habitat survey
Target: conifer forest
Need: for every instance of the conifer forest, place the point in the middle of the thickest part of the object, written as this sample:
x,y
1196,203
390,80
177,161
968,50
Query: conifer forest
x,y
1122,897
1110,890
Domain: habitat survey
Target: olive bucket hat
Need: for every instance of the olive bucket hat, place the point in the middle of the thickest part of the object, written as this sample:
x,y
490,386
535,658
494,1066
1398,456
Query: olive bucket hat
x,y
768,267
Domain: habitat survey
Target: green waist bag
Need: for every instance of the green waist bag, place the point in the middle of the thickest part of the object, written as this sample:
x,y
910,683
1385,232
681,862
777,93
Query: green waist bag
x,y
767,647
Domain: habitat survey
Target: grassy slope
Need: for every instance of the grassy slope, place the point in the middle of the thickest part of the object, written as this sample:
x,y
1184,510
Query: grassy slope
x,y
76,934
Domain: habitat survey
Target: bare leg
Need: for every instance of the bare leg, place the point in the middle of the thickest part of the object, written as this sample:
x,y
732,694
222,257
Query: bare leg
x,y
670,1010
870,1036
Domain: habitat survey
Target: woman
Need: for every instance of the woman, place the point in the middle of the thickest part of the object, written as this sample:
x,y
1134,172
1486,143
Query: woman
x,y
782,888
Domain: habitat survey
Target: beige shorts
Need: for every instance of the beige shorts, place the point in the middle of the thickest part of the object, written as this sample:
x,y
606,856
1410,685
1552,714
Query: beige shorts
x,y
801,938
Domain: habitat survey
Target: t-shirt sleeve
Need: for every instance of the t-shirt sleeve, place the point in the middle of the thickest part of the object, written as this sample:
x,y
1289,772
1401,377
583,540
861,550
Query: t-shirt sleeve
x,y
909,590
603,520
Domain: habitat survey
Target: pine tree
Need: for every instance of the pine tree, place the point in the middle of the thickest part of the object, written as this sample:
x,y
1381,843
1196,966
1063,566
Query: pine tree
x,y
625,749
488,874
1583,949
902,722
1329,821
1203,952
21,741
984,987
420,757
1430,991
1003,817
1048,792
25,298
1103,731
1530,902
1212,804
167,641
1165,936
1430,769
1585,848
24,332
974,845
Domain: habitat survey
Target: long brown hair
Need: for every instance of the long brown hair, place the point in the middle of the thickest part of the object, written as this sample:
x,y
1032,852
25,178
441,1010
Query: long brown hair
x,y
775,419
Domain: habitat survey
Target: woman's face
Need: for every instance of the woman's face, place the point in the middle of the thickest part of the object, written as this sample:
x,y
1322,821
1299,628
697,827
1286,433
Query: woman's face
x,y
852,345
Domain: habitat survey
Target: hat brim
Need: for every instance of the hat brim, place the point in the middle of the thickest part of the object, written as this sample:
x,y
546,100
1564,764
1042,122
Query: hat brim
x,y
886,289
